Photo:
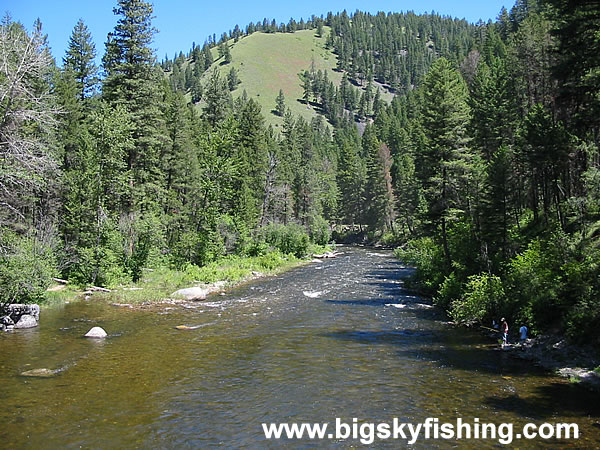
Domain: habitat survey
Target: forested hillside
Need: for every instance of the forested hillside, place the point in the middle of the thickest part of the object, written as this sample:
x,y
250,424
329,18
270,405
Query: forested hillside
x,y
472,148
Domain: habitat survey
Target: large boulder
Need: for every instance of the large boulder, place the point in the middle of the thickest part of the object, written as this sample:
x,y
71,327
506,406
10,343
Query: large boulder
x,y
96,333
26,321
193,293
17,310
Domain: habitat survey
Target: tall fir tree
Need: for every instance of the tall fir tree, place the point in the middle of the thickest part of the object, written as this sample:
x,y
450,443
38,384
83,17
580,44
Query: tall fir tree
x,y
132,81
280,104
446,156
80,59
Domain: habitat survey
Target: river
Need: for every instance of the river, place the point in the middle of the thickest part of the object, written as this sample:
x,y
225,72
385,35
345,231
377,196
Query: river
x,y
337,339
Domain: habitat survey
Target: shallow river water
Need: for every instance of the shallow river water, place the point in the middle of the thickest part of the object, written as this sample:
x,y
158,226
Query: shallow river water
x,y
337,339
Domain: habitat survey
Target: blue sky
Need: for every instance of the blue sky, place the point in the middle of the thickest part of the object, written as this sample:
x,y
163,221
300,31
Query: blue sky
x,y
182,22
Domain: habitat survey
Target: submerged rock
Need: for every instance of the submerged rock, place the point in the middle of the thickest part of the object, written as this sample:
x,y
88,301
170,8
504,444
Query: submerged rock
x,y
311,294
26,321
40,373
96,332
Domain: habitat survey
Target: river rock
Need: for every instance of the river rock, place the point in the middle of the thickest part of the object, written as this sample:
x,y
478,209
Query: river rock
x,y
16,310
26,321
193,293
40,373
96,332
6,320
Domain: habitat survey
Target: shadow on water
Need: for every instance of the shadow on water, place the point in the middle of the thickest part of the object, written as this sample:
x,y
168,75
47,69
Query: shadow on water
x,y
549,400
398,337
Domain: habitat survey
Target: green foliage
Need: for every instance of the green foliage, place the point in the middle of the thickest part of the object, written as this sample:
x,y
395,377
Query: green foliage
x,y
483,299
289,239
100,265
582,288
451,290
319,231
146,235
428,257
534,287
27,265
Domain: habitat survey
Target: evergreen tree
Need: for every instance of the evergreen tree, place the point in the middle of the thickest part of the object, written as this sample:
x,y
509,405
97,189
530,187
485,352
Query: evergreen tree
x,y
233,79
280,104
378,194
577,27
447,156
494,108
133,81
224,52
351,177
80,58
217,98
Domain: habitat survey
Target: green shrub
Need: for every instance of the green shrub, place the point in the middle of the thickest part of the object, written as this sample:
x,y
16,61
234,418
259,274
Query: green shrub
x,y
289,239
270,261
256,247
533,286
483,298
393,238
428,258
26,268
319,231
450,290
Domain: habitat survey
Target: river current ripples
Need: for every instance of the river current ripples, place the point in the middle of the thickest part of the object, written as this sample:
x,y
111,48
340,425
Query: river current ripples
x,y
341,339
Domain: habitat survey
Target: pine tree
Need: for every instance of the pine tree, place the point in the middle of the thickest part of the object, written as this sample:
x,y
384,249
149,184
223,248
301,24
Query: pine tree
x,y
447,157
494,107
280,104
94,183
80,57
233,79
378,194
224,52
217,98
133,82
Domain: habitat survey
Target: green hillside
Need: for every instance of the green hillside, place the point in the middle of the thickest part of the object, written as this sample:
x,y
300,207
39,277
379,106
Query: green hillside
x,y
268,62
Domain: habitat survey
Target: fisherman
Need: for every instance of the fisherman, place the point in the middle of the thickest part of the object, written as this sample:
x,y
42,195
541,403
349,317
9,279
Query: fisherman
x,y
504,326
523,331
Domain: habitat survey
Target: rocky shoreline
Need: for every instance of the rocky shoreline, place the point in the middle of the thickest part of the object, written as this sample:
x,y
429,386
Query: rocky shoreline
x,y
554,353
20,316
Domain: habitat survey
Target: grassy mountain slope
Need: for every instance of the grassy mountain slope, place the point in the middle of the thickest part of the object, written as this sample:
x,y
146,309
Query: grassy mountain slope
x,y
268,62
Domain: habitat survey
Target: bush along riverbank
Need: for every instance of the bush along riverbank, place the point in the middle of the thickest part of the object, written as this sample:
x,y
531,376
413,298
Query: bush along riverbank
x,y
477,301
167,285
227,261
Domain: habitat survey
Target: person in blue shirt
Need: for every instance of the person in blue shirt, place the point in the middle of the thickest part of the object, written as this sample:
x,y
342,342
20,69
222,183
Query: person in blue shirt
x,y
523,331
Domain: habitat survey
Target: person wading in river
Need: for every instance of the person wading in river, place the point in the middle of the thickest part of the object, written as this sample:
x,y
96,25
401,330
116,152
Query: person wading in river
x,y
504,327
